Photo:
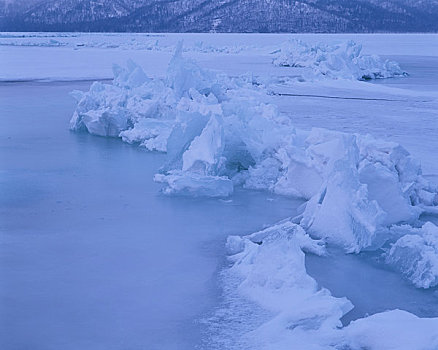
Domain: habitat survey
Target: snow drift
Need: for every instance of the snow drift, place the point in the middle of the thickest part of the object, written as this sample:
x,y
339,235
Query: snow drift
x,y
344,61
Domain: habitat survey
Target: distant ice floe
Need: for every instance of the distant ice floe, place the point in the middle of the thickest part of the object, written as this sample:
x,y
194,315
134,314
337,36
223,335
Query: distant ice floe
x,y
344,61
149,42
361,194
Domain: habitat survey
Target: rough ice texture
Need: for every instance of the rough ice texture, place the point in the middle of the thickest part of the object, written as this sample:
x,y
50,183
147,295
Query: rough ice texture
x,y
366,185
212,127
356,187
392,330
271,267
344,61
218,133
415,254
361,193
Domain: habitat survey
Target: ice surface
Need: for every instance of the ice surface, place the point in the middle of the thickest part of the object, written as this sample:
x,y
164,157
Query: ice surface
x,y
221,132
212,126
91,256
344,61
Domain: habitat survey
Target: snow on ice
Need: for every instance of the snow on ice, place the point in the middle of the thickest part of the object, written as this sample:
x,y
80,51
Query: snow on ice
x,y
361,193
270,265
344,61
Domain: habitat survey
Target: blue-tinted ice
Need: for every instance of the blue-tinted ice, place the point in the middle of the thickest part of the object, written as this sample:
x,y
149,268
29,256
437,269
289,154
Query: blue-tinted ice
x,y
92,256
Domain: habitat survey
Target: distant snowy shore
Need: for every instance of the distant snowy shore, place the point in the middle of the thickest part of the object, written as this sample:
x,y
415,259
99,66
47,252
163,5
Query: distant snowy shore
x,y
361,193
79,56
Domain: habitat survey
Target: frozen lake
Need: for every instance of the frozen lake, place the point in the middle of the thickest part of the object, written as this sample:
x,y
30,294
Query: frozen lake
x,y
92,256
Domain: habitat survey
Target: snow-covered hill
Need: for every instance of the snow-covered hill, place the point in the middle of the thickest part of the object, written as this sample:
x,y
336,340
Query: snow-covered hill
x,y
222,15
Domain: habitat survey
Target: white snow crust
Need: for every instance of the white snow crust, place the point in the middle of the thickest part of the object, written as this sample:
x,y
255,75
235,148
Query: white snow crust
x,y
343,61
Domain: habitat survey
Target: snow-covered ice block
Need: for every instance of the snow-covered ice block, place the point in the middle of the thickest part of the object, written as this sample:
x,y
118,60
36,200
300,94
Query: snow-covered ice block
x,y
130,77
184,74
150,133
271,266
391,330
415,254
104,122
362,185
100,111
344,61
342,212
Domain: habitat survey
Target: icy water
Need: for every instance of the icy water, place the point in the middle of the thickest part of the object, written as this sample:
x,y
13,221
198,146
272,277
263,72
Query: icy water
x,y
91,255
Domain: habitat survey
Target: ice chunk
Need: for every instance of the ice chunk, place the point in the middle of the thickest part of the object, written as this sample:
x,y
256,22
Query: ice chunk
x,y
391,330
149,133
343,213
383,186
344,61
358,187
201,160
211,126
415,254
203,104
187,127
100,111
184,74
204,153
301,179
105,122
131,77
272,269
